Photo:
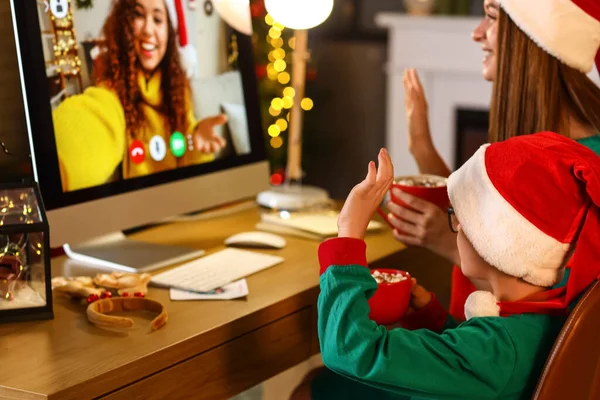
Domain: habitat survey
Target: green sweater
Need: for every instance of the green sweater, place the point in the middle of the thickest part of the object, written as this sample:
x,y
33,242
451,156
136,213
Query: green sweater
x,y
592,143
483,358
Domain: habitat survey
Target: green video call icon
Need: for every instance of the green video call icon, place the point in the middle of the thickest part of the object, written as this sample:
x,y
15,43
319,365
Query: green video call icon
x,y
177,143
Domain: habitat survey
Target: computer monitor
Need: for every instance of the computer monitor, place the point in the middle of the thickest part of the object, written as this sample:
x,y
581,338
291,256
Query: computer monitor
x,y
137,110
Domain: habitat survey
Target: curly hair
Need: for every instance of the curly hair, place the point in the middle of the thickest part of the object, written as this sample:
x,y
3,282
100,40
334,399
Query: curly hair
x,y
118,67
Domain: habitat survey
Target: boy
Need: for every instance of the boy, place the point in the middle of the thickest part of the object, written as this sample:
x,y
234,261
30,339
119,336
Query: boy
x,y
509,236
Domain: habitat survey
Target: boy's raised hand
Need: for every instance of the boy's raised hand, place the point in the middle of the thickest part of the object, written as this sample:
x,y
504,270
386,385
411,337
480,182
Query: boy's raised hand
x,y
365,197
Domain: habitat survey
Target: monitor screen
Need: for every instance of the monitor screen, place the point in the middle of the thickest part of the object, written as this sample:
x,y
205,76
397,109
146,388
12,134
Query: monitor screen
x,y
127,94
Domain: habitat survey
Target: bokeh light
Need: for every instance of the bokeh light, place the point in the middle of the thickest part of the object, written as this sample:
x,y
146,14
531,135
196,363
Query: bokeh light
x,y
289,92
288,102
279,65
277,103
282,124
284,78
276,142
306,104
274,130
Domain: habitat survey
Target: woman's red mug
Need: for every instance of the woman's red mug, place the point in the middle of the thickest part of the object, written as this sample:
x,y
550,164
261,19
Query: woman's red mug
x,y
391,299
431,188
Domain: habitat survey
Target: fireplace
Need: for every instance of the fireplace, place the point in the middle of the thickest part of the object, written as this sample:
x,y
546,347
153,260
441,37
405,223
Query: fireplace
x,y
471,132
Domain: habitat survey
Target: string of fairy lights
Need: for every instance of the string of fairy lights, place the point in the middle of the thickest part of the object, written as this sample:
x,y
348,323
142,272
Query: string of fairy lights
x,y
277,71
65,46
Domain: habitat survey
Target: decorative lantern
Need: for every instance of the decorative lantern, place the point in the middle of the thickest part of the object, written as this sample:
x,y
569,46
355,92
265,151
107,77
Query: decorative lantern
x,y
25,290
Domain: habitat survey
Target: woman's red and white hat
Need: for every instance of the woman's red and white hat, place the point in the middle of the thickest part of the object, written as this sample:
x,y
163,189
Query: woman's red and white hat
x,y
567,29
187,53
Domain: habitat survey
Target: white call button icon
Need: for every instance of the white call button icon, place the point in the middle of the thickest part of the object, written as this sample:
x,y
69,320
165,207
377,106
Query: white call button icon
x,y
158,148
59,8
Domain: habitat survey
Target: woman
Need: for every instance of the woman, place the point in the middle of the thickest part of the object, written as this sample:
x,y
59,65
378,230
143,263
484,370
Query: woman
x,y
533,91
570,107
127,125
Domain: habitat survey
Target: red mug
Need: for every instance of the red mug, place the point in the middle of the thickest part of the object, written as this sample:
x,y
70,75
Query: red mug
x,y
437,195
391,300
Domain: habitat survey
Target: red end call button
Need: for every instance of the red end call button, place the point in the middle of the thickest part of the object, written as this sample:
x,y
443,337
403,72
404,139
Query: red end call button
x,y
137,152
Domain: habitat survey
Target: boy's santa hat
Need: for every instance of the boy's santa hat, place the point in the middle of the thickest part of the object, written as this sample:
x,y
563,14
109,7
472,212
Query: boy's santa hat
x,y
524,204
567,29
187,52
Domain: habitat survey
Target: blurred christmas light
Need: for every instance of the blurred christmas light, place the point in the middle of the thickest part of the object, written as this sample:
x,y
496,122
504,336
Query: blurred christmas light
x,y
278,54
279,65
306,104
274,130
284,78
292,43
277,43
276,142
288,102
276,179
274,33
272,72
278,26
274,112
277,103
271,56
282,124
289,92
269,19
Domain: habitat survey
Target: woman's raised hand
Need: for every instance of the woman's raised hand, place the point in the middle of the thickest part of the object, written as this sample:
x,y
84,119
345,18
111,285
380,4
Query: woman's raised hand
x,y
205,138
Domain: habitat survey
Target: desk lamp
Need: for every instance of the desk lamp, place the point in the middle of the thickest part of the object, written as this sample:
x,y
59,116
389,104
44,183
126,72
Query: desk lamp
x,y
299,15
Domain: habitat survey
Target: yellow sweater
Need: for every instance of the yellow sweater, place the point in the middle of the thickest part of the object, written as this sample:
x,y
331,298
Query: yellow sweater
x,y
92,141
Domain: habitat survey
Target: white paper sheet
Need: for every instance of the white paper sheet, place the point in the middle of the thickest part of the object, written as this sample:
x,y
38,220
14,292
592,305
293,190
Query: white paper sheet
x,y
232,291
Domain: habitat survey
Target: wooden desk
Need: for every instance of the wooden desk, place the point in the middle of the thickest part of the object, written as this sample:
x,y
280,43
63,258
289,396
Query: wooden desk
x,y
207,350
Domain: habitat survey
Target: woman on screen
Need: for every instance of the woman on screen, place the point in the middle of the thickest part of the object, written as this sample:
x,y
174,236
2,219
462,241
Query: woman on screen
x,y
139,118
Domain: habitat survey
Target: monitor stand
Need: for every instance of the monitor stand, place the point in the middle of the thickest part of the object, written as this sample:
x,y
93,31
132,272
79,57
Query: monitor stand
x,y
116,252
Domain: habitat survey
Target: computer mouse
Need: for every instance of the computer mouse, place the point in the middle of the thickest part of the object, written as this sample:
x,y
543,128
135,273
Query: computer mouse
x,y
256,239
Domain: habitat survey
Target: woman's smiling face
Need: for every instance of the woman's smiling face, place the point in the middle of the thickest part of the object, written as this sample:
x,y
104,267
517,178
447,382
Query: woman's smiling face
x,y
486,34
151,33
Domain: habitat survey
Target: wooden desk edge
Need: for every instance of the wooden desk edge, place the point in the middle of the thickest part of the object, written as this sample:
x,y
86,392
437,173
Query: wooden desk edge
x,y
180,352
8,393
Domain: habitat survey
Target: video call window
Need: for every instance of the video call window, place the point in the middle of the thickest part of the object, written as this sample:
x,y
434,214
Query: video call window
x,y
140,87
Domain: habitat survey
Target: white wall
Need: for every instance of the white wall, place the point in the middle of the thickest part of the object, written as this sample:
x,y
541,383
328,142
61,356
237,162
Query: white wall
x,y
88,23
207,36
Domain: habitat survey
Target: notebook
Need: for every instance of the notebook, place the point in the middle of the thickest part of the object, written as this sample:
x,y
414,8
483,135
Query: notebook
x,y
318,226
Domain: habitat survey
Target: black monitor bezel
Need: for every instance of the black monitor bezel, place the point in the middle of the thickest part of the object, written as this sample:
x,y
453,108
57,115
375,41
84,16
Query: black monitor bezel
x,y
41,129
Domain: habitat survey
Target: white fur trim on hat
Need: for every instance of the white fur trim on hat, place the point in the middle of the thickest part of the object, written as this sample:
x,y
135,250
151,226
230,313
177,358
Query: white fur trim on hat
x,y
559,27
481,304
187,54
499,233
188,57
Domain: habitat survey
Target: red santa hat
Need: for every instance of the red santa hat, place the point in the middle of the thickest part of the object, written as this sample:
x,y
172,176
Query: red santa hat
x,y
567,29
524,204
187,52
